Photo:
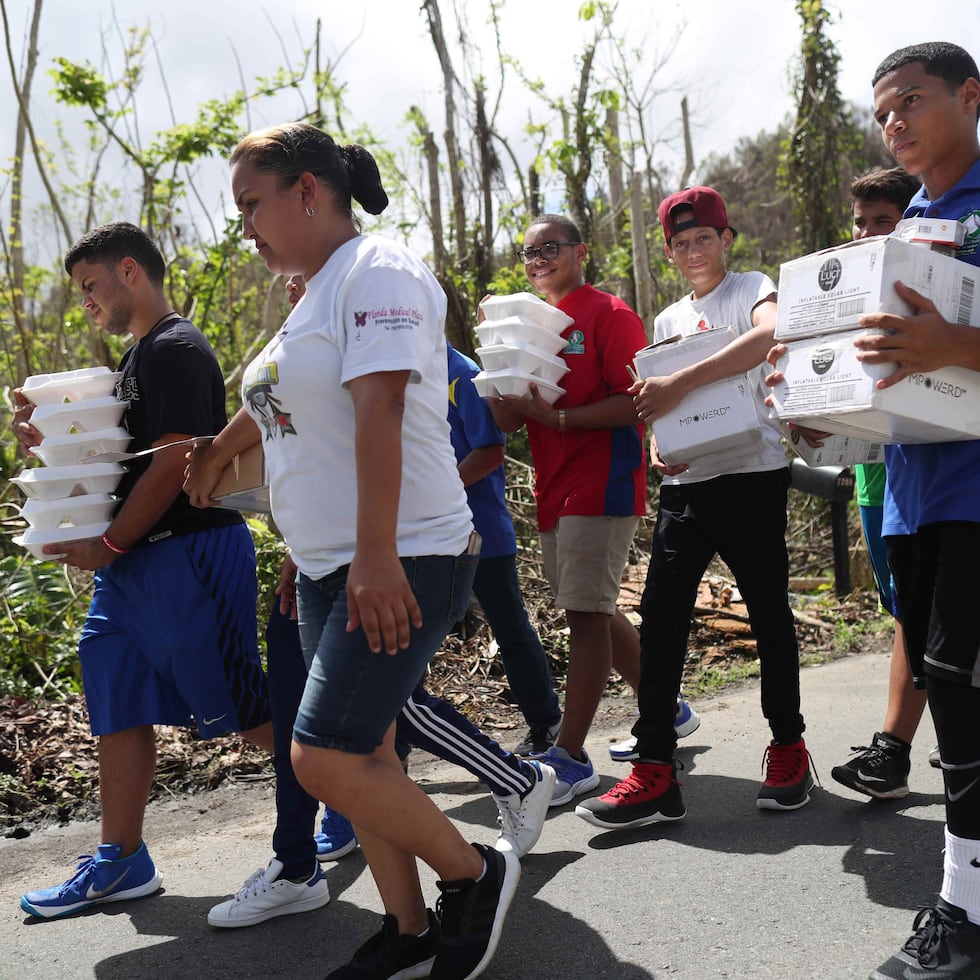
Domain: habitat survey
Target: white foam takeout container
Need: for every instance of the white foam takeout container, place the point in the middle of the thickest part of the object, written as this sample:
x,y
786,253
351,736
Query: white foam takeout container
x,y
70,386
514,330
523,357
89,508
514,382
56,482
66,450
528,307
35,538
90,415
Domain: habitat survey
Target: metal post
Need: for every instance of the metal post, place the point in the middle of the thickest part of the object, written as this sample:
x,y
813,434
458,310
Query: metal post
x,y
842,552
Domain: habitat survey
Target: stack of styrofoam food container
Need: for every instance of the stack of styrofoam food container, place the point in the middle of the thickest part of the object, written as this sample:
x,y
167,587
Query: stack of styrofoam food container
x,y
520,340
821,297
78,416
713,423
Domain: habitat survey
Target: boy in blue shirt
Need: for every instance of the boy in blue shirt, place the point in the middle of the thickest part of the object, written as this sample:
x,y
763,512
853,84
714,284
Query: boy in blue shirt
x,y
927,103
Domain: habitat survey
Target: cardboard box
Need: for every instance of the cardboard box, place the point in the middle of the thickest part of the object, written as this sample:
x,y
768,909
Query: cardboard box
x,y
932,231
826,292
837,450
243,485
720,418
826,387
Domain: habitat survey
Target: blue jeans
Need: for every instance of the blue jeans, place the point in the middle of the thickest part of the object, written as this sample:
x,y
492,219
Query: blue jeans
x,y
499,593
296,810
353,695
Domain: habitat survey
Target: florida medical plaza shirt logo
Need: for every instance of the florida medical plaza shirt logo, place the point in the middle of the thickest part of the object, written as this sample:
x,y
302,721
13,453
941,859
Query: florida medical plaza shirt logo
x,y
386,318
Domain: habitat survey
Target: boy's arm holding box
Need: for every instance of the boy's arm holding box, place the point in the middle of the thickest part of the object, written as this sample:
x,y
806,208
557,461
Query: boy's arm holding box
x,y
658,395
919,343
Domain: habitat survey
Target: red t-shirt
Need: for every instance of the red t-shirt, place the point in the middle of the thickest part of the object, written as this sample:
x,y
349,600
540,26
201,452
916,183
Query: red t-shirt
x,y
592,472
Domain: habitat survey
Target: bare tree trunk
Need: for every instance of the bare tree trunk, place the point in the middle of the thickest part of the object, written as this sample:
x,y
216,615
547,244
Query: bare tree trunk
x,y
641,258
614,165
25,115
688,145
452,150
488,166
431,149
533,192
25,358
576,181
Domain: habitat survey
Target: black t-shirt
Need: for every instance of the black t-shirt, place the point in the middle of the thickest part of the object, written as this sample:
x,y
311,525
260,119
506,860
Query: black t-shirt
x,y
173,384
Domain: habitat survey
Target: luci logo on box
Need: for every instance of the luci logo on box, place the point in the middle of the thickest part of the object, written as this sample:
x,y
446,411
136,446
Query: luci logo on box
x,y
822,359
829,274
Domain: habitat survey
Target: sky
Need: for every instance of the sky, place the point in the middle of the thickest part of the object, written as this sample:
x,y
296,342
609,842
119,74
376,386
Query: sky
x,y
732,58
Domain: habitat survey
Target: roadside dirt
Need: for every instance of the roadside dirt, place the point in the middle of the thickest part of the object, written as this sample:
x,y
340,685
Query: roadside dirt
x,y
48,767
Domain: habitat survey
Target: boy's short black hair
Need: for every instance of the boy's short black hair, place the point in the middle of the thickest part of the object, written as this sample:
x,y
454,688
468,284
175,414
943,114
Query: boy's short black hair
x,y
895,186
566,224
110,244
939,58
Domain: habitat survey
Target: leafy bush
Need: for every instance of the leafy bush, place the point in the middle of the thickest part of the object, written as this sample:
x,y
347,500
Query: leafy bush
x,y
44,606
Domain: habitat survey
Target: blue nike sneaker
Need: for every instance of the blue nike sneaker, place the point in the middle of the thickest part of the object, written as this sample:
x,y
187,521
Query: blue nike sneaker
x,y
106,877
336,838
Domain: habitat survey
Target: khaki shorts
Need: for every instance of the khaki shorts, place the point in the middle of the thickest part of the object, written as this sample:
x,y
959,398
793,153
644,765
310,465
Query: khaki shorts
x,y
584,559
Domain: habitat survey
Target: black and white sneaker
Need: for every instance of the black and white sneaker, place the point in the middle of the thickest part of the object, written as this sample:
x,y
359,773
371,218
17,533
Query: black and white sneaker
x,y
472,915
390,956
945,945
880,769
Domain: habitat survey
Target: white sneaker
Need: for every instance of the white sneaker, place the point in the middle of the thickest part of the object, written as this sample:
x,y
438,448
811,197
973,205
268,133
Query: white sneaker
x,y
265,896
522,816
686,722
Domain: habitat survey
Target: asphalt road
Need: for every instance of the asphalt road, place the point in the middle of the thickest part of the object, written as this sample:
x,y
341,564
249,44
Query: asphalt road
x,y
825,892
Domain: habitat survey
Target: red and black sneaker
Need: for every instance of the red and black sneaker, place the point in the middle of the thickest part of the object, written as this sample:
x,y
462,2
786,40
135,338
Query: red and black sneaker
x,y
788,781
649,794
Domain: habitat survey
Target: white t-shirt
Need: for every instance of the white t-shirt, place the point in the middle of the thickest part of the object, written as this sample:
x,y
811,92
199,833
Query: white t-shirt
x,y
373,307
729,304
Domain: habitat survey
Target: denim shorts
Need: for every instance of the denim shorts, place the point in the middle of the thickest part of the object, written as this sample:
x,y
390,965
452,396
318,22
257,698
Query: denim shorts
x,y
353,695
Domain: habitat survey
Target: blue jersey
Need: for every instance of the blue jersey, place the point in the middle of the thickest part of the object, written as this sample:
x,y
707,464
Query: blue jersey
x,y
938,481
472,427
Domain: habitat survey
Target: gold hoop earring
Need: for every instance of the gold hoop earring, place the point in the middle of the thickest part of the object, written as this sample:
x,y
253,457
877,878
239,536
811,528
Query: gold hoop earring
x,y
310,213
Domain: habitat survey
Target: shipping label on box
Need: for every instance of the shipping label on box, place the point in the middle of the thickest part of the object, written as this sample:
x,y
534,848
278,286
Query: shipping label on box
x,y
826,292
679,352
837,450
826,387
243,485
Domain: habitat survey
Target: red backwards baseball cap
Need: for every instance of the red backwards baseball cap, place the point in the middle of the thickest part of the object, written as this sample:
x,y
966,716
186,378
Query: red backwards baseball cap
x,y
706,203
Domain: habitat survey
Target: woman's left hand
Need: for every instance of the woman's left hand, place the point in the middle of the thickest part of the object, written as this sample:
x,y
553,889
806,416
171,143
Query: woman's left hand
x,y
381,602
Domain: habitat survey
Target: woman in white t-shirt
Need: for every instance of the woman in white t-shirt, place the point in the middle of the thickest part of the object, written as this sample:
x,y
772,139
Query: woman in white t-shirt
x,y
349,402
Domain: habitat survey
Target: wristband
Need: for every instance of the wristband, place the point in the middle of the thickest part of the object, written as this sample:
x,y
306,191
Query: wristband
x,y
114,547
561,420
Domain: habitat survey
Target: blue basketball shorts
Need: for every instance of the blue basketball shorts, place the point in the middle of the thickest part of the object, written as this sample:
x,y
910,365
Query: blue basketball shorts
x,y
171,635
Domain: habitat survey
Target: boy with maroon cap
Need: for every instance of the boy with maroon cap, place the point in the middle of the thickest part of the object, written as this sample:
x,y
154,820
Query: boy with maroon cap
x,y
735,508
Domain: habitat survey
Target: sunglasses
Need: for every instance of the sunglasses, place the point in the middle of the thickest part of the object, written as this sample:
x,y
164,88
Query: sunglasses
x,y
547,251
